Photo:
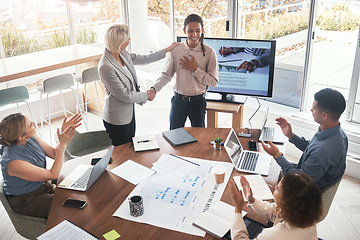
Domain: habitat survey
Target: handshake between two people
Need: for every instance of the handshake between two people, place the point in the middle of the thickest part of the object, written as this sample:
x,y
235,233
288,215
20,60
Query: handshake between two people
x,y
151,94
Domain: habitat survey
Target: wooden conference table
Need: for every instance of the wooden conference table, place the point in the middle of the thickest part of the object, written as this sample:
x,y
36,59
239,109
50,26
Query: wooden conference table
x,y
109,191
39,62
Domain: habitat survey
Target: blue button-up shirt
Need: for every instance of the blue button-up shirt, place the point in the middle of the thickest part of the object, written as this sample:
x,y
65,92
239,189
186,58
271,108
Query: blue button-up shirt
x,y
323,157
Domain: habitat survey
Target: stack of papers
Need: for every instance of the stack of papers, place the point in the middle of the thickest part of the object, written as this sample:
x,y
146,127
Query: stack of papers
x,y
175,165
66,230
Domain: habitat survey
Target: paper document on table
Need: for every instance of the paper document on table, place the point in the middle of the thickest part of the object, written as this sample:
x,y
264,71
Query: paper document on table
x,y
176,165
132,172
174,202
66,230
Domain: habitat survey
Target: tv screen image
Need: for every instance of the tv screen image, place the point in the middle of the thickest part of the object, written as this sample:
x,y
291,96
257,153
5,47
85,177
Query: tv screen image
x,y
246,66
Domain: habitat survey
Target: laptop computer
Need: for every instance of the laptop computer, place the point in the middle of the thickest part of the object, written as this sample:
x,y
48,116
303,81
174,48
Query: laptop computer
x,y
83,176
253,227
246,161
275,135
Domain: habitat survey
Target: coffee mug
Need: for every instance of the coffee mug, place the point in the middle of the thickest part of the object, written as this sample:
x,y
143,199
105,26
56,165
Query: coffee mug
x,y
219,173
136,206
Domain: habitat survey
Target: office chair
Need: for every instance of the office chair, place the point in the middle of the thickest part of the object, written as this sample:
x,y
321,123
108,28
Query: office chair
x,y
88,76
50,85
88,142
27,226
328,195
17,95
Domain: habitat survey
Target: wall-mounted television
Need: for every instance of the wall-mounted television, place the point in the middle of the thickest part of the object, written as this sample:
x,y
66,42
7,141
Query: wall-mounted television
x,y
236,74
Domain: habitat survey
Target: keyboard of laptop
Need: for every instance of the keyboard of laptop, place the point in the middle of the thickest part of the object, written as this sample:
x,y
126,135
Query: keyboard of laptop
x,y
249,161
82,181
254,229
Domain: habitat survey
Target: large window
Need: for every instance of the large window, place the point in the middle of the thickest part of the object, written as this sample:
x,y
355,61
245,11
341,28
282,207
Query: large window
x,y
91,19
213,13
335,42
28,26
287,23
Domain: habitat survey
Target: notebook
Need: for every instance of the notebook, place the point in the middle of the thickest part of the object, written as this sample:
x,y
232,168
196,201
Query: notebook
x,y
217,220
83,176
66,230
275,135
178,136
246,161
258,186
145,143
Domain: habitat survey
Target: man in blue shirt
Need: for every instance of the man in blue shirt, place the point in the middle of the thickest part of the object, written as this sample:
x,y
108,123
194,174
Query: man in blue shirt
x,y
324,155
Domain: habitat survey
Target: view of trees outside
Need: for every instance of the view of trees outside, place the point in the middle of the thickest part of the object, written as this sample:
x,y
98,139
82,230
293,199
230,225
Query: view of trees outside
x,y
336,38
214,14
39,24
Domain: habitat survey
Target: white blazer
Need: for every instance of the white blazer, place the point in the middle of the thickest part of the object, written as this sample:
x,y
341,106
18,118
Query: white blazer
x,y
120,91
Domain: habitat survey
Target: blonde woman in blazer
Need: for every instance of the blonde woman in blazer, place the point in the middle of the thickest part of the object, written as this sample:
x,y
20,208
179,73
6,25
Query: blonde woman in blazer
x,y
117,72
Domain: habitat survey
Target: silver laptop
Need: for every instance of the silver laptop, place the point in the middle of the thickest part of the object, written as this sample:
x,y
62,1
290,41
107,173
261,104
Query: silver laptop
x,y
246,161
275,135
83,176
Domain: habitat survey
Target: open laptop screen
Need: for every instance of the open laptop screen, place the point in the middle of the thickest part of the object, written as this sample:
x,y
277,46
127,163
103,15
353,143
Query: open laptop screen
x,y
233,147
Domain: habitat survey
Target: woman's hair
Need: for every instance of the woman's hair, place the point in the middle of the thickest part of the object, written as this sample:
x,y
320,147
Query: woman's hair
x,y
196,18
116,36
301,204
12,127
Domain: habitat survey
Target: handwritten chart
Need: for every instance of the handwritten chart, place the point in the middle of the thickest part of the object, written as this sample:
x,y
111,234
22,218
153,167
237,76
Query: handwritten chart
x,y
173,202
167,194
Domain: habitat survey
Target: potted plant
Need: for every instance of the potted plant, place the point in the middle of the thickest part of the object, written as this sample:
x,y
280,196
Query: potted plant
x,y
217,143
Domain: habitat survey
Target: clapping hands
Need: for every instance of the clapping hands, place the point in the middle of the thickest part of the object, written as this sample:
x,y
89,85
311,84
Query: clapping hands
x,y
73,121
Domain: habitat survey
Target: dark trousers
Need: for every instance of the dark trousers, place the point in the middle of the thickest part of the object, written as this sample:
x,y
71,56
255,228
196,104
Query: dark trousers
x,y
36,203
121,134
181,109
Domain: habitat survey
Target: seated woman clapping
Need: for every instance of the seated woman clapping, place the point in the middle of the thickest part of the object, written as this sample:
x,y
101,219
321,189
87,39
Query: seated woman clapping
x,y
23,163
297,208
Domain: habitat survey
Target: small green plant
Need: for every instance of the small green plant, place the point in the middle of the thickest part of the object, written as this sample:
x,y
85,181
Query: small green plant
x,y
217,140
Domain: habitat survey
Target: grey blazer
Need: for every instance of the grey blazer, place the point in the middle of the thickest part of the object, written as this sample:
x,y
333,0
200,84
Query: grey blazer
x,y
120,91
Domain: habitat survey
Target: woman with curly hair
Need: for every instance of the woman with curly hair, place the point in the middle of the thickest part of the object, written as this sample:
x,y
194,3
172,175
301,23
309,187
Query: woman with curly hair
x,y
297,209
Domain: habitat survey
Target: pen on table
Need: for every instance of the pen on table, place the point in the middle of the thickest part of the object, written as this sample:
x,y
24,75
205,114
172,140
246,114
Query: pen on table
x,y
222,144
183,159
143,141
